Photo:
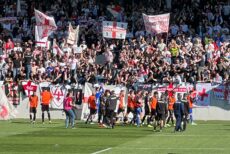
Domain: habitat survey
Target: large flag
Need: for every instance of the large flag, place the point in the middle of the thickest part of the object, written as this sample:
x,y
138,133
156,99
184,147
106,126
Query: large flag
x,y
29,87
156,24
7,109
203,94
45,21
45,26
73,35
59,93
116,30
115,10
40,42
12,93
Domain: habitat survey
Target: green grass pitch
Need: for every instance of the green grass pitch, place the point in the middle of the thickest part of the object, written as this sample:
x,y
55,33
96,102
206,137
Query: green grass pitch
x,y
19,136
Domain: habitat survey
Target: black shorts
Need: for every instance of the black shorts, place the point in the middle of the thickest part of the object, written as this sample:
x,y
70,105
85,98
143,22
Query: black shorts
x,y
129,109
120,110
93,111
33,110
161,116
45,108
147,112
102,111
153,112
171,112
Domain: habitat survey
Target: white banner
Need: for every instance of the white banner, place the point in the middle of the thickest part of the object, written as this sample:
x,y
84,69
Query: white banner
x,y
45,21
116,30
7,110
29,87
182,89
40,42
156,24
58,92
73,35
45,25
44,85
203,94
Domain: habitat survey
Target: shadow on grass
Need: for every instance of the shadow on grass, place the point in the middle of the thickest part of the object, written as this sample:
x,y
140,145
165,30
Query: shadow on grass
x,y
20,122
37,123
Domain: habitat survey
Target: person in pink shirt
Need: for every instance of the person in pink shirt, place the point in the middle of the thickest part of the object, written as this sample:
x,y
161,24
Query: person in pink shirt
x,y
9,45
68,108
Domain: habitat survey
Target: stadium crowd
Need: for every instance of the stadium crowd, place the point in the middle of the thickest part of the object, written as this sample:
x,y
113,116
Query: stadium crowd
x,y
196,47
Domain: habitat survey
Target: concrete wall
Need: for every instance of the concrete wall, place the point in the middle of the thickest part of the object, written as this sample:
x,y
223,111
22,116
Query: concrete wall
x,y
218,110
23,111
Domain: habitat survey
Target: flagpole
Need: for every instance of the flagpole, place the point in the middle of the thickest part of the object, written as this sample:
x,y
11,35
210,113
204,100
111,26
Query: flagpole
x,y
167,39
167,32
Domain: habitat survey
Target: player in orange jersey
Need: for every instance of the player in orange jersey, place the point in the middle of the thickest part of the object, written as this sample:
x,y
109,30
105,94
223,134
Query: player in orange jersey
x,y
33,100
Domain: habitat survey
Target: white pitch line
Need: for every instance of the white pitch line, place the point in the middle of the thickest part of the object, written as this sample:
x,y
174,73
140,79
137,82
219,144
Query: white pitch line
x,y
172,148
101,151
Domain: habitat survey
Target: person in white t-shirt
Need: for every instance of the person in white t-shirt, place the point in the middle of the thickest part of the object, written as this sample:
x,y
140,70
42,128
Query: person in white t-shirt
x,y
73,64
161,46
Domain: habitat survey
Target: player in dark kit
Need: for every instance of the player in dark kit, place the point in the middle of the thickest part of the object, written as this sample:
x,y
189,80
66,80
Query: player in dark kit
x,y
178,112
186,112
147,100
101,113
111,105
162,110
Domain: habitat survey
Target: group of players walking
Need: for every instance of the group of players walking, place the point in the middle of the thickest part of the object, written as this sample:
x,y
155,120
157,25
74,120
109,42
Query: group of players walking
x,y
142,106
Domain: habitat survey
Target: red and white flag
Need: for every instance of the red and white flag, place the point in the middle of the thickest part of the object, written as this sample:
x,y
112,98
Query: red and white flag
x,y
116,30
58,92
45,21
45,25
40,42
156,24
115,10
73,35
203,94
29,87
7,110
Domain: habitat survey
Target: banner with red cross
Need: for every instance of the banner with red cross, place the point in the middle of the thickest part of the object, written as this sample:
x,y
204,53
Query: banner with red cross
x,y
29,87
45,25
156,24
58,92
203,94
115,30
